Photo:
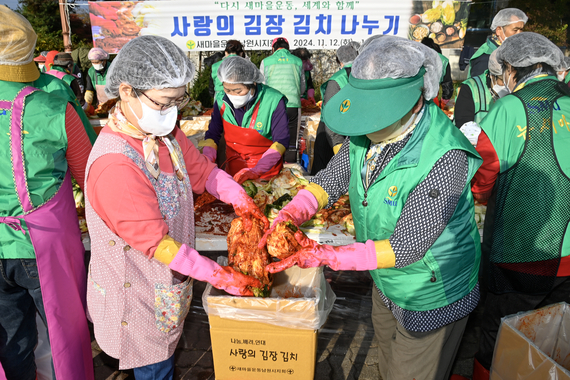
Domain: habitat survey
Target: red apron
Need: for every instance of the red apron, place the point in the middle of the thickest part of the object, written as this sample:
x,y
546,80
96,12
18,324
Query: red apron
x,y
245,146
54,231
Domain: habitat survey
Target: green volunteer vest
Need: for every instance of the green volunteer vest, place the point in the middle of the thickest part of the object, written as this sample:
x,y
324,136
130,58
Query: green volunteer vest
x,y
532,210
98,78
444,64
44,161
53,85
486,48
269,99
567,79
307,74
68,78
282,71
340,77
482,98
218,85
449,269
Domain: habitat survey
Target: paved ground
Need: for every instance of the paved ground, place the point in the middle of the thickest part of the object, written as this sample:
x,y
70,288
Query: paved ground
x,y
346,347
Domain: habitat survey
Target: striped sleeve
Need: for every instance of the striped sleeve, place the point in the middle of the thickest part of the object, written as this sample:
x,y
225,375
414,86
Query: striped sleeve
x,y
78,145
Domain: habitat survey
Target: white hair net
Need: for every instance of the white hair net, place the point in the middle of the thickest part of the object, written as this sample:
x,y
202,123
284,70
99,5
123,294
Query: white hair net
x,y
236,69
527,48
347,53
368,41
396,57
148,62
495,67
565,65
508,16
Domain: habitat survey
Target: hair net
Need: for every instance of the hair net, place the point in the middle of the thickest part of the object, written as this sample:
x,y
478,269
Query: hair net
x,y
97,54
236,69
149,62
508,16
565,64
62,59
347,53
369,41
495,67
18,38
527,48
396,57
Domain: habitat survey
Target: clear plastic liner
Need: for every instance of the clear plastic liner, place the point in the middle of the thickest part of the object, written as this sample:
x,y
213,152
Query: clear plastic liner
x,y
534,345
300,299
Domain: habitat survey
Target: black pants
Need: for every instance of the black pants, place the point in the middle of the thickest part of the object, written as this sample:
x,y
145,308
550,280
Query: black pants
x,y
501,305
291,153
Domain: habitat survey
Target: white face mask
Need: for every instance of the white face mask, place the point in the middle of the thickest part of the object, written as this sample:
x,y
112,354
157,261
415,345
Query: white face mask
x,y
41,67
561,77
153,122
240,100
98,66
500,90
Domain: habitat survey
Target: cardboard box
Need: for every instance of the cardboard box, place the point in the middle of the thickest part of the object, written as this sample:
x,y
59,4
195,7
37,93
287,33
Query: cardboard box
x,y
273,337
534,345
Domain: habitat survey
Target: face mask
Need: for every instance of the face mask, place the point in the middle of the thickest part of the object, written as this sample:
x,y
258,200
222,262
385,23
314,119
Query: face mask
x,y
391,131
500,91
153,122
98,66
561,77
41,67
505,38
240,100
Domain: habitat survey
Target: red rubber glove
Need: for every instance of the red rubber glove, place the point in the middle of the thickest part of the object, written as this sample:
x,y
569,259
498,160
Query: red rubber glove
x,y
245,174
265,163
222,186
356,256
302,208
210,152
190,263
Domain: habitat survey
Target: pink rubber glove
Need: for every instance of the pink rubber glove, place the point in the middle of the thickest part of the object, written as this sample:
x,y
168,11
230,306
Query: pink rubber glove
x,y
356,256
211,153
190,263
302,208
265,163
222,186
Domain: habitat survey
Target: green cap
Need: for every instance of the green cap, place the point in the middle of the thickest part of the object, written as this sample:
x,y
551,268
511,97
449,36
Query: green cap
x,y
368,105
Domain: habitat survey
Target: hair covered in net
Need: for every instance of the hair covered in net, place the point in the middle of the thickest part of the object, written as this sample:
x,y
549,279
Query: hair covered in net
x,y
495,67
348,53
508,16
526,49
565,64
148,62
396,57
239,70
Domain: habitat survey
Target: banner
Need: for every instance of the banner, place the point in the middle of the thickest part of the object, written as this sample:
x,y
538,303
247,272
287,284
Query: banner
x,y
206,25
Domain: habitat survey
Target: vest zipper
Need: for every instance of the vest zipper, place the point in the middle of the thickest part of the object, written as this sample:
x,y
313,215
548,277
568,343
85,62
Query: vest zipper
x,y
364,181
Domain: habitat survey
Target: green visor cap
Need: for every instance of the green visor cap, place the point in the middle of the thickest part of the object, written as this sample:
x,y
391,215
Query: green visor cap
x,y
368,105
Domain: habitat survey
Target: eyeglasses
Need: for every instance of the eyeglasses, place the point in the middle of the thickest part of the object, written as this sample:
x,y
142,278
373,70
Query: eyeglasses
x,y
166,108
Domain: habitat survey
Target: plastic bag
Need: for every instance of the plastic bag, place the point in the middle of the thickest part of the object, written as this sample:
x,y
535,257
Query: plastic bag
x,y
300,298
534,345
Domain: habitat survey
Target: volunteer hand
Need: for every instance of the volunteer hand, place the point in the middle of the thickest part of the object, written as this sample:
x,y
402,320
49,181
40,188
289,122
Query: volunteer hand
x,y
190,263
210,153
245,174
298,211
356,256
247,209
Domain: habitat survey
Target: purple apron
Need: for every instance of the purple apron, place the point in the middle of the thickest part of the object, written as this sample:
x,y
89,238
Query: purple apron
x,y
54,231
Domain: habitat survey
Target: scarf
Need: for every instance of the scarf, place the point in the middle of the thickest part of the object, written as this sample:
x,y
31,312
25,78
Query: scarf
x,y
119,123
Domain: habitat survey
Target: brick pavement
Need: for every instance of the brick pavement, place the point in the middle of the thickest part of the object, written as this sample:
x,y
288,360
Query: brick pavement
x,y
346,348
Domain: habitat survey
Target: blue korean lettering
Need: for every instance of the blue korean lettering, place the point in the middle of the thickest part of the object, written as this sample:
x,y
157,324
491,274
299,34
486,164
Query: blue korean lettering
x,y
225,25
202,25
394,23
355,23
274,24
321,19
185,26
370,24
253,30
302,20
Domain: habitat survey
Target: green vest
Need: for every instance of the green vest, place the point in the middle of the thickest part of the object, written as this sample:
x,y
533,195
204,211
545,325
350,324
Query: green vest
x,y
486,48
482,98
53,85
340,77
218,85
444,64
98,78
44,161
532,210
567,79
282,71
269,99
67,78
449,269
